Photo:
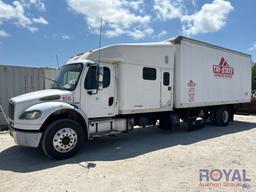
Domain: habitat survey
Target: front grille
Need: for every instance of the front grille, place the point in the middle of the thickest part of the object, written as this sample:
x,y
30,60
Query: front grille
x,y
11,110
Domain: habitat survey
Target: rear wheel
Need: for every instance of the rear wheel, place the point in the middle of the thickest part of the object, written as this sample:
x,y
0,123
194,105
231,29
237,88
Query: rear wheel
x,y
165,122
62,139
169,122
223,116
232,116
212,116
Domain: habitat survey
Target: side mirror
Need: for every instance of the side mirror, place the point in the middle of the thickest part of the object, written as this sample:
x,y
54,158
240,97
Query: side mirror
x,y
100,77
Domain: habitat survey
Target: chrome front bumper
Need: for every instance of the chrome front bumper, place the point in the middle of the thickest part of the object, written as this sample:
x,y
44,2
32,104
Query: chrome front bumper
x,y
24,138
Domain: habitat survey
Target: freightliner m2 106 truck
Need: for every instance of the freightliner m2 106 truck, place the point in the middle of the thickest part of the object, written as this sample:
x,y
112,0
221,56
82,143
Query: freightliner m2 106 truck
x,y
168,83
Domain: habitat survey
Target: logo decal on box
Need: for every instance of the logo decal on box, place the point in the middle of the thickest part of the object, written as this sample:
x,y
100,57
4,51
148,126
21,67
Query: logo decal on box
x,y
191,91
223,69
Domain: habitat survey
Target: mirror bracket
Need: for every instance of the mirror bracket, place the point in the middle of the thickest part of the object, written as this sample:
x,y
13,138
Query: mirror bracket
x,y
100,77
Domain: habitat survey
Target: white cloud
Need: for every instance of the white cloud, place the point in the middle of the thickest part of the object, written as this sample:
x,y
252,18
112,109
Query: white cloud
x,y
33,29
120,17
135,4
210,18
60,36
17,13
168,9
161,34
253,47
127,17
4,33
65,37
138,34
40,20
38,4
194,3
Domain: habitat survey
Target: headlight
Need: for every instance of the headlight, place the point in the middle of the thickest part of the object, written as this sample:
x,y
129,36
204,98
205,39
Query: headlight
x,y
31,115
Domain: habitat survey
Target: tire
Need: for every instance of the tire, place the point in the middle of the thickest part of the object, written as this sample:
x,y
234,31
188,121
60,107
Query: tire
x,y
223,116
169,122
165,122
62,139
195,125
232,116
212,117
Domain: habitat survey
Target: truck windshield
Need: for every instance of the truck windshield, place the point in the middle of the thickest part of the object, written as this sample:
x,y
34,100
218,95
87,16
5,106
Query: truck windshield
x,y
68,77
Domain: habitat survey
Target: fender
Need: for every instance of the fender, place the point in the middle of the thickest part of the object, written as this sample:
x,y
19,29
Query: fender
x,y
47,109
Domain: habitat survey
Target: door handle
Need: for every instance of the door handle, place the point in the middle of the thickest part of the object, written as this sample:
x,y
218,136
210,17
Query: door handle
x,y
169,88
92,92
110,101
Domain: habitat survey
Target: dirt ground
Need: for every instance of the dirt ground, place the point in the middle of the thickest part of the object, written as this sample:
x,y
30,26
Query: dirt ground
x,y
147,159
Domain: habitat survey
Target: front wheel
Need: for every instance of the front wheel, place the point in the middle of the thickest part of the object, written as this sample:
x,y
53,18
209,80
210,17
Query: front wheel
x,y
62,139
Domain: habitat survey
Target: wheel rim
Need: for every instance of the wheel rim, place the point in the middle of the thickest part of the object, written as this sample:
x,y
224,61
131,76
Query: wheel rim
x,y
65,140
225,116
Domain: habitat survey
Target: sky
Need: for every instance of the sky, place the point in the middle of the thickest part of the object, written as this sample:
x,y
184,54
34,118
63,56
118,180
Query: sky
x,y
33,32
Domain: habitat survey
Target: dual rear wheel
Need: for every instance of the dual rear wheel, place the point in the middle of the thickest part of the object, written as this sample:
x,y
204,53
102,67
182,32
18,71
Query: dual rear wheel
x,y
220,116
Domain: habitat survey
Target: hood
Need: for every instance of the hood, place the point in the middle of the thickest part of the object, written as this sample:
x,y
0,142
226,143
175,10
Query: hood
x,y
43,96
23,102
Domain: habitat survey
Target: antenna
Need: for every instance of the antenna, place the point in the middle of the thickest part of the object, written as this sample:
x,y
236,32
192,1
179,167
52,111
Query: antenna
x,y
57,60
100,40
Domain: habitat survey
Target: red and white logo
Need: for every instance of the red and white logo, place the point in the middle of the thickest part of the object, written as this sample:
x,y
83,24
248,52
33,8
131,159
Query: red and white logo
x,y
66,98
191,91
191,83
223,69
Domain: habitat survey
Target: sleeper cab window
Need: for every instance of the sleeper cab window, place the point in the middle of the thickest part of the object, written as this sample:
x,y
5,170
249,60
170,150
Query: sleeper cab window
x,y
91,78
166,78
149,73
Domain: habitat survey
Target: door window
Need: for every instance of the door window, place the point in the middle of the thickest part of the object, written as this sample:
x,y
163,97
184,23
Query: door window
x,y
106,77
166,79
91,78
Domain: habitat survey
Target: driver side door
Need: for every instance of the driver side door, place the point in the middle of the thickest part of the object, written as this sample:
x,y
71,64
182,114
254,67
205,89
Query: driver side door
x,y
99,103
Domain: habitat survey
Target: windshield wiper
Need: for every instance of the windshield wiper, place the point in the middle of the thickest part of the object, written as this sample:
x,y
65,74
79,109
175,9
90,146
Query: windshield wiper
x,y
54,81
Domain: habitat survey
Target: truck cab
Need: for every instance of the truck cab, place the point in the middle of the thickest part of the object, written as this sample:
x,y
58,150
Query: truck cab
x,y
58,119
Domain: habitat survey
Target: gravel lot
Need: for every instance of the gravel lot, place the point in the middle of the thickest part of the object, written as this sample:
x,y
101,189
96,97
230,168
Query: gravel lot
x,y
146,159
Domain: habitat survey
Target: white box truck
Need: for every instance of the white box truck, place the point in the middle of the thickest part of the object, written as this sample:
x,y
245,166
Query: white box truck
x,y
112,89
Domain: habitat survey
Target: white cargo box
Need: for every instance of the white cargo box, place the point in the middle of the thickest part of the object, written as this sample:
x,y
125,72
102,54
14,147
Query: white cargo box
x,y
206,75
201,74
